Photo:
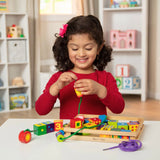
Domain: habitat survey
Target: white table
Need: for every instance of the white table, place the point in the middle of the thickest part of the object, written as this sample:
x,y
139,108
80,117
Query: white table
x,y
46,147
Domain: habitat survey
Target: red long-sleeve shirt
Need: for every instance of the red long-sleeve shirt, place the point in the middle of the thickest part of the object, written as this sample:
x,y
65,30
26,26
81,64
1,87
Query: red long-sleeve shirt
x,y
91,104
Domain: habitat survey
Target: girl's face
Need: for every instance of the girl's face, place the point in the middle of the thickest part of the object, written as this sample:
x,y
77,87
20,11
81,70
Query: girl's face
x,y
82,53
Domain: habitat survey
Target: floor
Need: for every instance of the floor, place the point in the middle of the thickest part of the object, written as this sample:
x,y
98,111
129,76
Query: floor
x,y
149,110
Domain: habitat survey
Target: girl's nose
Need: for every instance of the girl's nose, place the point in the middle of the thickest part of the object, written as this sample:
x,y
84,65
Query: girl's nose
x,y
81,52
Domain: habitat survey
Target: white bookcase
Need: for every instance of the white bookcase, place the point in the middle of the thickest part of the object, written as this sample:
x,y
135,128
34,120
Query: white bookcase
x,y
14,60
131,18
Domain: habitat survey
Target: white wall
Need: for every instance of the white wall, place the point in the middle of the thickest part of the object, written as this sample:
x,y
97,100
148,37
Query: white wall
x,y
17,5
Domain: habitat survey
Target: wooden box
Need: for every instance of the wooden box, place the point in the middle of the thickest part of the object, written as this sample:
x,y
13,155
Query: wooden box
x,y
94,135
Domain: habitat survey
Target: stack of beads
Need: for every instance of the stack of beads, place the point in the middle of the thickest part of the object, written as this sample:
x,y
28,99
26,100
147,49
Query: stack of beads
x,y
60,136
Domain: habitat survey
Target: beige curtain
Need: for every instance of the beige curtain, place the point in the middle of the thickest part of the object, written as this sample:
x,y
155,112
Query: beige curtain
x,y
34,32
84,7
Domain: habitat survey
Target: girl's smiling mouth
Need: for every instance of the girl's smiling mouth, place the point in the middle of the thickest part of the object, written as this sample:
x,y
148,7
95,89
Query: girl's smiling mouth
x,y
82,60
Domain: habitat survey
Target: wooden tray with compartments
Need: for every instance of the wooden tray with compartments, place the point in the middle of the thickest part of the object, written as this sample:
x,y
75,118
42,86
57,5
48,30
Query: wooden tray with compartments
x,y
105,135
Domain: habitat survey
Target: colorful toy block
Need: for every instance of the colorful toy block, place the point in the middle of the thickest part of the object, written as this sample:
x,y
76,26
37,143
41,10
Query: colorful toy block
x,y
127,83
123,125
131,83
109,127
90,125
49,126
95,121
122,70
103,118
103,127
119,81
86,120
40,129
76,123
136,82
133,126
114,136
125,137
113,123
58,125
123,39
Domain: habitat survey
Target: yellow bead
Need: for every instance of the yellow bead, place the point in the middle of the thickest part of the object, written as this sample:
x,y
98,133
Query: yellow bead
x,y
78,93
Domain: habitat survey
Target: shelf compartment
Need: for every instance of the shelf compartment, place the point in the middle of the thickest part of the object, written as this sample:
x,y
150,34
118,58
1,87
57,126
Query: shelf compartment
x,y
123,21
20,20
134,61
18,70
3,100
18,98
3,76
2,26
3,55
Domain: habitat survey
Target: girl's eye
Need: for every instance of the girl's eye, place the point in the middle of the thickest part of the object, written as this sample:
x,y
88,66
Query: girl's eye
x,y
88,49
74,49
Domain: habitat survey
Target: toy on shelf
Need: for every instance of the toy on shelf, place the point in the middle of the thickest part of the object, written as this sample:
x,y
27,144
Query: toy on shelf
x,y
124,4
123,78
14,31
4,5
131,82
18,101
128,82
123,39
17,81
114,4
122,70
133,3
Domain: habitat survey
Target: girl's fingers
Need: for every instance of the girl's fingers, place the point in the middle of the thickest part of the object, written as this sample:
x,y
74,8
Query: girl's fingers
x,y
68,76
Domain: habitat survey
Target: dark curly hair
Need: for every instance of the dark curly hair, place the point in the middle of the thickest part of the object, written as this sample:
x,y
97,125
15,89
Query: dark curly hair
x,y
79,25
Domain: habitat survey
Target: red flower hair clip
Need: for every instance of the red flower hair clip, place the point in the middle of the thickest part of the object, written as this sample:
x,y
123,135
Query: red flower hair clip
x,y
63,30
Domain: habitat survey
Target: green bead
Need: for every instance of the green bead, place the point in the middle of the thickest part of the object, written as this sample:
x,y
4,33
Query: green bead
x,y
60,138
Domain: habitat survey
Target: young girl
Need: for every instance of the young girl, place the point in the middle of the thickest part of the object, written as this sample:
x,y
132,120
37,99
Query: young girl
x,y
81,57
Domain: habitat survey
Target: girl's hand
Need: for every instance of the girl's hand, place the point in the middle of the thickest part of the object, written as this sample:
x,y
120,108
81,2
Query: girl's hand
x,y
63,80
88,87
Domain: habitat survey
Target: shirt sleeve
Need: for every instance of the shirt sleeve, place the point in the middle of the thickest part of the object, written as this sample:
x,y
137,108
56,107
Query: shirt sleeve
x,y
46,101
113,100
